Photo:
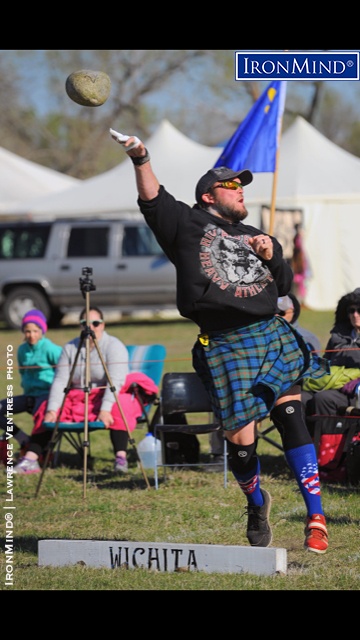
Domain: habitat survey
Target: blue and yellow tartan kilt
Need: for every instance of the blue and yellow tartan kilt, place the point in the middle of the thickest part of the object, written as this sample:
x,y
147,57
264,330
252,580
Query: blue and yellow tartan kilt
x,y
246,370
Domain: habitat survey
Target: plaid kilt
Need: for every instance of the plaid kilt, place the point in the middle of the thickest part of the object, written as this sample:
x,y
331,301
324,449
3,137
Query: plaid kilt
x,y
246,370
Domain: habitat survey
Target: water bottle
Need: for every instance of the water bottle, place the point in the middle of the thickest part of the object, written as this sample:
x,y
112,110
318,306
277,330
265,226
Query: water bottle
x,y
149,450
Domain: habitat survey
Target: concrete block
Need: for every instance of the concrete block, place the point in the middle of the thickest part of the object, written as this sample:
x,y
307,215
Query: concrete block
x,y
163,556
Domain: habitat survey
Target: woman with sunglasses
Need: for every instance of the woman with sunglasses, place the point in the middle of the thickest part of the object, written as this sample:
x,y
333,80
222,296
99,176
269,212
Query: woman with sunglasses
x,y
115,356
250,360
342,350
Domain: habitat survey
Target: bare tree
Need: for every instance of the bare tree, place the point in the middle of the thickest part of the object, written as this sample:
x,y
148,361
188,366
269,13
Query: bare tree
x,y
194,89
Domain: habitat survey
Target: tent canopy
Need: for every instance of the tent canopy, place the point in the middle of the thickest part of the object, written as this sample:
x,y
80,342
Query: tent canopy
x,y
178,162
311,167
322,180
314,175
22,179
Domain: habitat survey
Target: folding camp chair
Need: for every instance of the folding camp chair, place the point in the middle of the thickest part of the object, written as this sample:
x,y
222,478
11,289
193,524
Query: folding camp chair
x,y
148,359
183,394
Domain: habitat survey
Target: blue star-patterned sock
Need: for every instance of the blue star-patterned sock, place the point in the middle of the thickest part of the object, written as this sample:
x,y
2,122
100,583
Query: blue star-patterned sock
x,y
303,463
249,483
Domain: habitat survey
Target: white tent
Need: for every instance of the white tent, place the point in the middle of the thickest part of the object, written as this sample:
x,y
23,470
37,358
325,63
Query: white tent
x,y
322,180
21,179
178,161
314,175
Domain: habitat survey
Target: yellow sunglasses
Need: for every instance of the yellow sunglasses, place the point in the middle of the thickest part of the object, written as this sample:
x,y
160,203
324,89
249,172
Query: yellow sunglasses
x,y
229,184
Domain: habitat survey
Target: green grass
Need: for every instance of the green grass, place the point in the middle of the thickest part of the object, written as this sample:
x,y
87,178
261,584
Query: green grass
x,y
191,507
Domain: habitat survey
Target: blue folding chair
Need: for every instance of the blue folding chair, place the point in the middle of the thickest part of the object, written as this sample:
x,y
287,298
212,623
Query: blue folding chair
x,y
148,359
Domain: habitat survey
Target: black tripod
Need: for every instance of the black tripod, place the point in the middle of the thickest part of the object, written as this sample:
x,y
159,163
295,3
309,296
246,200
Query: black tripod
x,y
86,285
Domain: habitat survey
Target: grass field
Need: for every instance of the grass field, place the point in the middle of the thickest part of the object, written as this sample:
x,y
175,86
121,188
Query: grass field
x,y
191,507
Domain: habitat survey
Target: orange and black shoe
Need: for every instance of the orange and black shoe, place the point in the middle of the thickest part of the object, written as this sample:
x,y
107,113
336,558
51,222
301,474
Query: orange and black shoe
x,y
316,535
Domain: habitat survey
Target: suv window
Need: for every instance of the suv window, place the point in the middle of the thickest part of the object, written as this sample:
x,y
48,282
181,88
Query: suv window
x,y
90,242
140,241
23,242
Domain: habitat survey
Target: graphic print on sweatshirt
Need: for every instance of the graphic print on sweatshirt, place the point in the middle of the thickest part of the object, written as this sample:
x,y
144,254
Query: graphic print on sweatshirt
x,y
230,262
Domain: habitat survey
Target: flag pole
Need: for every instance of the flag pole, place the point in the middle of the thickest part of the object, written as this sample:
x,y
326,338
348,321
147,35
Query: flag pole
x,y
273,196
275,176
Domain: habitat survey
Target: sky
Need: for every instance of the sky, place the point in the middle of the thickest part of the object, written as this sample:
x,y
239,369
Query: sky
x,y
38,95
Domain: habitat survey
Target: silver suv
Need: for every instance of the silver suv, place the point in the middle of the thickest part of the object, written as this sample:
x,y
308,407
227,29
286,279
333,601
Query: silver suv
x,y
41,264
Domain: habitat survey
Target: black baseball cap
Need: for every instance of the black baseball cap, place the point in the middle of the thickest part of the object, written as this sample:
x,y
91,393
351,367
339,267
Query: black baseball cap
x,y
218,174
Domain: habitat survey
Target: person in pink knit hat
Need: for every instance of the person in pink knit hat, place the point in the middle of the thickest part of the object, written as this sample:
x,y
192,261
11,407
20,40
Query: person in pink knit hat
x,y
37,357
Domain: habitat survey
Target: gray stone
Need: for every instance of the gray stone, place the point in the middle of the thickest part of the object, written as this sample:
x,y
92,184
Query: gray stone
x,y
88,88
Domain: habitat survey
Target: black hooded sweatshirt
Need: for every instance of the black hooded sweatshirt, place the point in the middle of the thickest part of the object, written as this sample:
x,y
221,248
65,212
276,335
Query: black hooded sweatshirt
x,y
221,282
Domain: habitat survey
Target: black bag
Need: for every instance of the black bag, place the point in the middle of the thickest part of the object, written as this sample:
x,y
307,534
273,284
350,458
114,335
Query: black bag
x,y
180,447
337,442
353,461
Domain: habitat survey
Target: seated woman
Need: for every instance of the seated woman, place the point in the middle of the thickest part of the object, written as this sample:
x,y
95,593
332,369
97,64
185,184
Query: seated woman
x,y
342,350
102,404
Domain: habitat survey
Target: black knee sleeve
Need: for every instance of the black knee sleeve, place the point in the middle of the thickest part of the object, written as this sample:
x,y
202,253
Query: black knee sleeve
x,y
242,458
289,420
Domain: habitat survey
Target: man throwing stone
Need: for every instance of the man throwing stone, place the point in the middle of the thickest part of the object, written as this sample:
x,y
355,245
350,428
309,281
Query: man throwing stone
x,y
250,359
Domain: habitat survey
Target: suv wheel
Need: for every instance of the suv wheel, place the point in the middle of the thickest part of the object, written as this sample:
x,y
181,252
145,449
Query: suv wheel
x,y
20,300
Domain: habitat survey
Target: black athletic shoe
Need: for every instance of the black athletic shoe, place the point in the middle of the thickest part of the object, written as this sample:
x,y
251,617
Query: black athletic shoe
x,y
258,528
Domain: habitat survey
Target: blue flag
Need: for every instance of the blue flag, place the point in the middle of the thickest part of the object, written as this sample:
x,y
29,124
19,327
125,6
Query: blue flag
x,y
254,144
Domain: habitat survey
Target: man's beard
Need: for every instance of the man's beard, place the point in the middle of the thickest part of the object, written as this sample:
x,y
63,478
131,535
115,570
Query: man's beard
x,y
229,213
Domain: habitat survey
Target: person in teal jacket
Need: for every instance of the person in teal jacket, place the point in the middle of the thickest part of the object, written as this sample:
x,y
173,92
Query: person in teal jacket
x,y
37,358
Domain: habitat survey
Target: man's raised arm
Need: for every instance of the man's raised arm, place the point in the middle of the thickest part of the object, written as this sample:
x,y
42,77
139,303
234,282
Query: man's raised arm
x,y
146,181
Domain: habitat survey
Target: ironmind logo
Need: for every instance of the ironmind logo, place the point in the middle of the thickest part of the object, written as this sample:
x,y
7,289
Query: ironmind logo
x,y
339,65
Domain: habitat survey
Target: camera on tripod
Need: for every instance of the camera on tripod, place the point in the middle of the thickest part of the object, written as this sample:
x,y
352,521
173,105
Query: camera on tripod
x,y
86,283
